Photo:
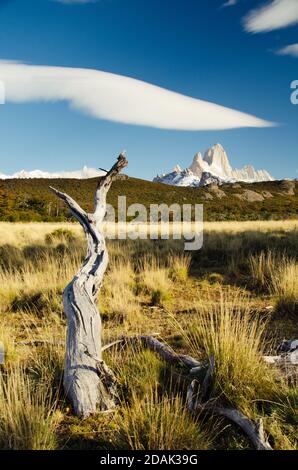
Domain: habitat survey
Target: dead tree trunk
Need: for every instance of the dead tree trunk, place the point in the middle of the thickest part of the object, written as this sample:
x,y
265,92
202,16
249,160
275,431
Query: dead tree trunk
x,y
88,382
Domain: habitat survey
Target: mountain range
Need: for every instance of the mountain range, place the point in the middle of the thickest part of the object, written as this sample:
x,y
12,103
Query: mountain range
x,y
84,173
214,167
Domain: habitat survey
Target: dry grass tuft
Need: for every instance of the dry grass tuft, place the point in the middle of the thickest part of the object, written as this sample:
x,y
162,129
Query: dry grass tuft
x,y
27,413
229,332
262,268
154,280
285,287
179,266
277,275
160,423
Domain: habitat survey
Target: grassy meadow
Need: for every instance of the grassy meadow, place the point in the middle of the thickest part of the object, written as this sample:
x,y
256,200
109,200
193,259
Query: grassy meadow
x,y
235,299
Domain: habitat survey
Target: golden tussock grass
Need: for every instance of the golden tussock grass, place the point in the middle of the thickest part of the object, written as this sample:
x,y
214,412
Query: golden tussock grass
x,y
160,423
277,275
149,418
27,413
211,294
230,333
154,280
285,287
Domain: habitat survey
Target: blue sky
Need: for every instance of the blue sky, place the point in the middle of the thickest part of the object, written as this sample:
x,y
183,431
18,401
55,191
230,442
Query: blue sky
x,y
194,47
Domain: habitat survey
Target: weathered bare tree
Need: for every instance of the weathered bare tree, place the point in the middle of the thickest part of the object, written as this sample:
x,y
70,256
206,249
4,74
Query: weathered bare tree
x,y
88,382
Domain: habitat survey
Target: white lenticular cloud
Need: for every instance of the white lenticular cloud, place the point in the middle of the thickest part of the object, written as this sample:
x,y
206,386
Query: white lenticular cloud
x,y
104,95
275,15
291,50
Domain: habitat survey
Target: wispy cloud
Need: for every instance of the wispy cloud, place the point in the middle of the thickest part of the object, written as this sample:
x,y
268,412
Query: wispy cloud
x,y
292,50
230,3
275,15
117,98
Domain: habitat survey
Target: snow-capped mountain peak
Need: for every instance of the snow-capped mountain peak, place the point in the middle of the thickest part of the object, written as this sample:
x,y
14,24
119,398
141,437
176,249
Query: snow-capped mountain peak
x,y
198,165
215,164
84,173
177,169
218,161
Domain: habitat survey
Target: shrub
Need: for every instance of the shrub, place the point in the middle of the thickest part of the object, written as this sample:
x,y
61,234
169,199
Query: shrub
x,y
60,235
40,302
215,278
11,257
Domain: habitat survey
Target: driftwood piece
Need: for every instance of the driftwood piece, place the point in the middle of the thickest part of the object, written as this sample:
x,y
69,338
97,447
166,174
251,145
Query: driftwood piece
x,y
196,395
166,353
87,380
290,359
253,430
162,349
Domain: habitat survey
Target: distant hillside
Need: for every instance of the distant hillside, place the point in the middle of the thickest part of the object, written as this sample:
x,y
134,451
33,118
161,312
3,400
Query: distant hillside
x,y
31,199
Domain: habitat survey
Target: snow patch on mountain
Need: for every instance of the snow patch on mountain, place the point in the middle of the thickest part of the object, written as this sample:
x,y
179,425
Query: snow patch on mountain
x,y
84,173
213,167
